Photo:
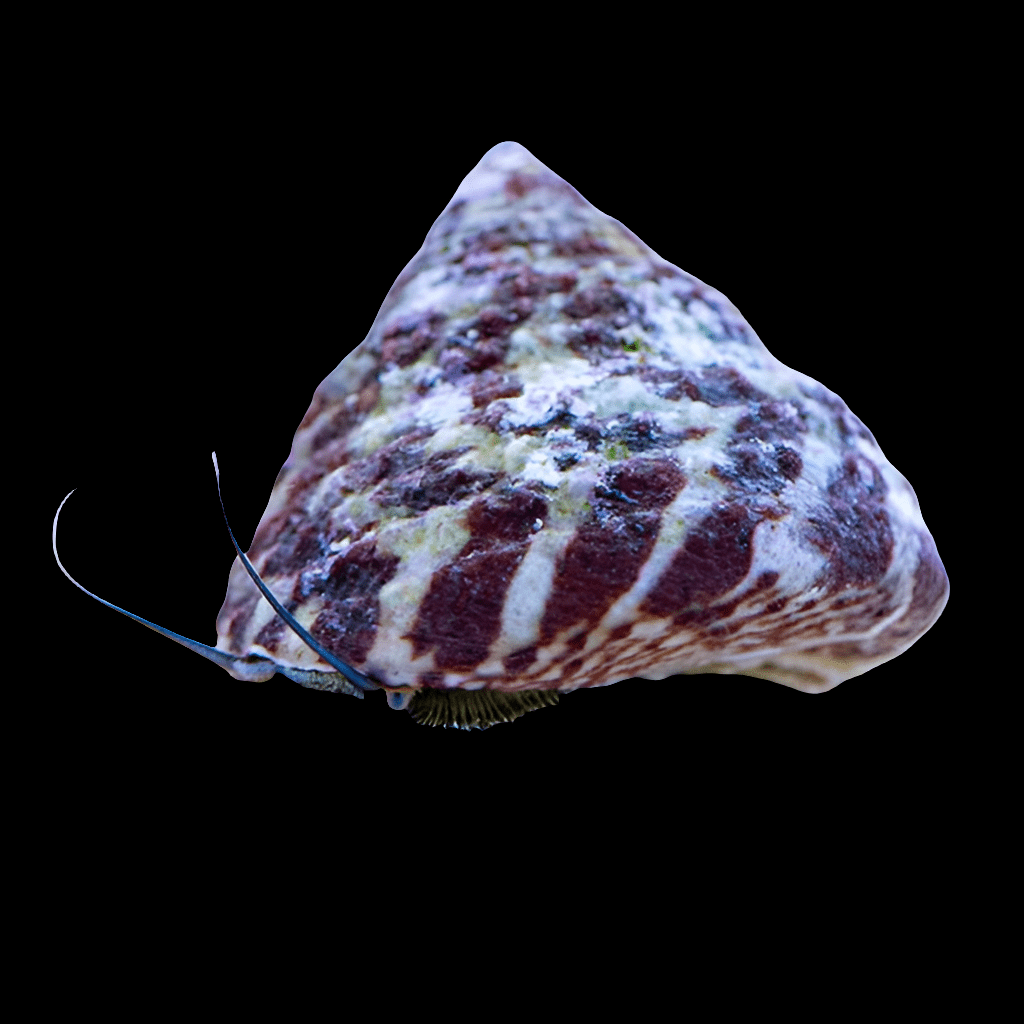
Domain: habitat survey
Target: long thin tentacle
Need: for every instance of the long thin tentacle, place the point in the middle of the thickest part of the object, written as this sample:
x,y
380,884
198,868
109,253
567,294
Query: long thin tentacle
x,y
234,664
357,678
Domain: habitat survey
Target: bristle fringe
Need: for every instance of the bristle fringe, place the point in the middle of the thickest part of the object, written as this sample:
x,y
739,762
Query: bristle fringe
x,y
476,709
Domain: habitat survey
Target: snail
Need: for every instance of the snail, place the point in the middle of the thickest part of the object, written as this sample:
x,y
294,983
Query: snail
x,y
558,461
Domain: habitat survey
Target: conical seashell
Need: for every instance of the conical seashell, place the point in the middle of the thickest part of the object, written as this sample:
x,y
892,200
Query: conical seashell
x,y
558,461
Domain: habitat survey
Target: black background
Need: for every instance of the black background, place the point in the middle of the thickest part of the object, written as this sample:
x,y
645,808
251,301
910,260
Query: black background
x,y
197,265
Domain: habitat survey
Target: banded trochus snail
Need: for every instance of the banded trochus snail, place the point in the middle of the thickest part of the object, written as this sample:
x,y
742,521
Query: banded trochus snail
x,y
558,461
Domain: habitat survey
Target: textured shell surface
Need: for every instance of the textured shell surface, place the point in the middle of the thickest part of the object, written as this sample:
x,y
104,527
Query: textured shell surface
x,y
559,461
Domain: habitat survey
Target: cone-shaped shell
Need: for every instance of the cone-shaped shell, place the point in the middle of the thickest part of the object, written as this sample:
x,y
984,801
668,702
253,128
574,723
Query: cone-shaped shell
x,y
559,461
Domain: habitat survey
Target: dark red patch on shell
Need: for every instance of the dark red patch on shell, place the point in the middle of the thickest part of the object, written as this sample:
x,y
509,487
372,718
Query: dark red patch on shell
x,y
661,271
713,385
606,554
435,483
493,240
239,617
300,543
642,435
757,468
273,631
602,299
600,310
577,642
759,461
594,341
524,282
853,529
584,244
408,338
489,416
519,183
483,343
490,386
649,484
460,615
390,460
716,556
520,660
772,422
352,411
347,623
